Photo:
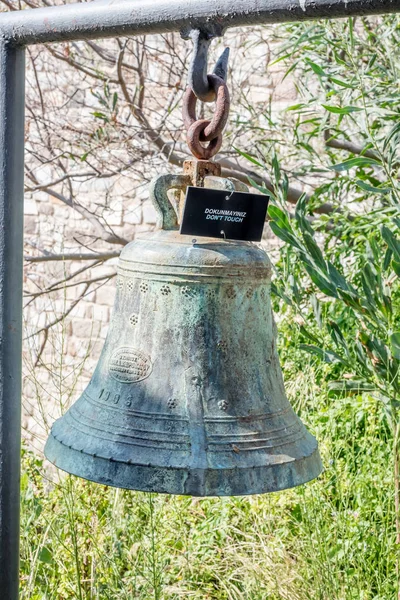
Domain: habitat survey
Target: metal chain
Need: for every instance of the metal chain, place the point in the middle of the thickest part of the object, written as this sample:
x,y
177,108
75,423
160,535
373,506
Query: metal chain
x,y
205,130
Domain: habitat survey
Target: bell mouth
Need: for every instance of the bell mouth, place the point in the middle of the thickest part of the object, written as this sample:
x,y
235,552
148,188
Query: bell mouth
x,y
280,472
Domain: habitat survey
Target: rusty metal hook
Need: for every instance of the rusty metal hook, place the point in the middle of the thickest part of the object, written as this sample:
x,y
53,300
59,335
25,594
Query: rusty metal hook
x,y
198,70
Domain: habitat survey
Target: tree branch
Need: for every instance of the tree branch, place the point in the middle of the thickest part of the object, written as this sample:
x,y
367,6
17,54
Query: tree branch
x,y
348,146
100,257
101,230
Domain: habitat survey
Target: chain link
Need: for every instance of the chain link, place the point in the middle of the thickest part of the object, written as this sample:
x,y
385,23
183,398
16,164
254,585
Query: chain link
x,y
204,130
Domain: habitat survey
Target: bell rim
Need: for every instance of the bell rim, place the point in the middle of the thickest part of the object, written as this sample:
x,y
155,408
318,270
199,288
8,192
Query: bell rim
x,y
183,481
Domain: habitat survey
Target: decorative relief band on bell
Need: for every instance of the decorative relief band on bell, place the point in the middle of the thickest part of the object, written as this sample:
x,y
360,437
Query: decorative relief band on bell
x,y
128,365
129,436
211,290
188,291
230,292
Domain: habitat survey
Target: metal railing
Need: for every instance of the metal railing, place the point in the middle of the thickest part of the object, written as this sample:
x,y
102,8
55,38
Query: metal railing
x,y
77,22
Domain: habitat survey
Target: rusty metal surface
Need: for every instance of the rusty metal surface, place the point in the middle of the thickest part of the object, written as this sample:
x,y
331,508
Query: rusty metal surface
x,y
221,113
204,130
197,171
188,395
195,146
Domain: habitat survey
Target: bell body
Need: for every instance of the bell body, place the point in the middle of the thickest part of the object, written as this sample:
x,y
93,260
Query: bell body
x,y
188,395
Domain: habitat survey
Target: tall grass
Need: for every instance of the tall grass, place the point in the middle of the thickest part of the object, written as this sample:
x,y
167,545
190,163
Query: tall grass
x,y
333,538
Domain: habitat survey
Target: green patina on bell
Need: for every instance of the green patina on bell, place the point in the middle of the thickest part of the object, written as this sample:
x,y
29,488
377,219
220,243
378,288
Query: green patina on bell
x,y
188,395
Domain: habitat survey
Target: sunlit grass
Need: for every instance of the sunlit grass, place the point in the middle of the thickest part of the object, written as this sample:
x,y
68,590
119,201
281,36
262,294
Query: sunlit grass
x,y
333,538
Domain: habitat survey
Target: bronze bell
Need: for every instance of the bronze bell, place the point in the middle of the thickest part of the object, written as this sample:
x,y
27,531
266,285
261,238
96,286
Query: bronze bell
x,y
188,395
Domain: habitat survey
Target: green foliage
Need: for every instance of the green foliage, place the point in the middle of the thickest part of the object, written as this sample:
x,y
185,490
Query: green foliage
x,y
333,538
366,342
341,273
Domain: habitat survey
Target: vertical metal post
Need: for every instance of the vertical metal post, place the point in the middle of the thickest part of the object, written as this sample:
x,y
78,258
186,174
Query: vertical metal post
x,y
12,84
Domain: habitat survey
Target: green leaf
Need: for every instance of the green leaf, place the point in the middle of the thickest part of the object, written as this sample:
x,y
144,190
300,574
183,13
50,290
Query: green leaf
x,y
396,267
316,306
250,158
280,217
379,349
100,115
342,83
314,250
301,205
115,100
346,110
337,278
279,291
395,344
369,284
328,356
307,334
393,134
370,188
392,242
277,168
320,281
349,299
284,235
387,260
360,161
261,189
301,216
351,385
45,555
295,106
337,336
316,68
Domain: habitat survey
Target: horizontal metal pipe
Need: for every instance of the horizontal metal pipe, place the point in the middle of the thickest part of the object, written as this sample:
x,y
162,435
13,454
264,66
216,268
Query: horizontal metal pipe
x,y
108,18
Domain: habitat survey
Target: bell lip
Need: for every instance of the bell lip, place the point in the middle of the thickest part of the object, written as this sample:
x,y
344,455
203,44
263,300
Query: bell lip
x,y
202,483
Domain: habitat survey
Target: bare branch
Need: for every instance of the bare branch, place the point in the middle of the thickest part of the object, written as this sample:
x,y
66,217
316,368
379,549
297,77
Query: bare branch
x,y
153,135
100,257
99,228
349,146
79,67
62,317
62,285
